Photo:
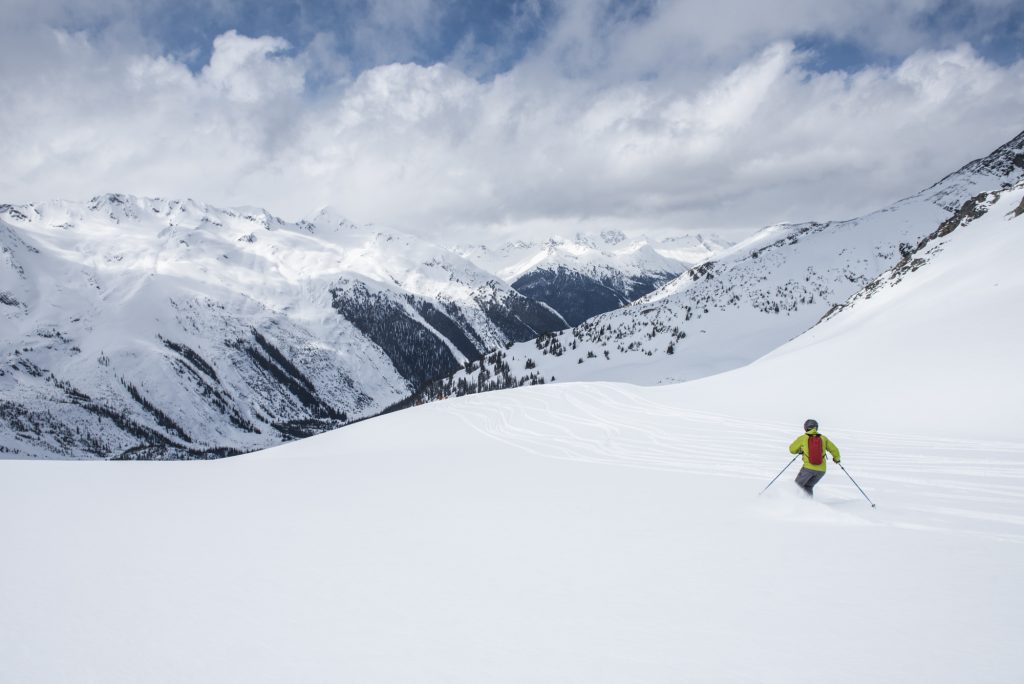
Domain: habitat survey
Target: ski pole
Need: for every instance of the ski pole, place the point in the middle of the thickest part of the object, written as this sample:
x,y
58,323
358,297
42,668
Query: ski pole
x,y
777,476
840,464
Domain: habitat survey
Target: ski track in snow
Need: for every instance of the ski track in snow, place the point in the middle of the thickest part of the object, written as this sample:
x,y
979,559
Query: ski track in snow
x,y
959,478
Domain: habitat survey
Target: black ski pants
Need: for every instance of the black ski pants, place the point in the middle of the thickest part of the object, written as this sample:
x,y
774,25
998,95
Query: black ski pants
x,y
807,478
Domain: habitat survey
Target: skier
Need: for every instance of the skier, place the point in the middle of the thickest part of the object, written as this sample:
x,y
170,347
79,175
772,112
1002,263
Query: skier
x,y
813,447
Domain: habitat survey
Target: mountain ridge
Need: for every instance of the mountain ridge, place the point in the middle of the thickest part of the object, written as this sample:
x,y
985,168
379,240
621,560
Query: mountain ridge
x,y
747,301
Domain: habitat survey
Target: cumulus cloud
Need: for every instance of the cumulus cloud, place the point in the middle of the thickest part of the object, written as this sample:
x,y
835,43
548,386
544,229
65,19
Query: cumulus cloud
x,y
246,70
595,128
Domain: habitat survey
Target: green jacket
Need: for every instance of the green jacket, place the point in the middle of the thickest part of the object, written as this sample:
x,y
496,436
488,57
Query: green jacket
x,y
799,446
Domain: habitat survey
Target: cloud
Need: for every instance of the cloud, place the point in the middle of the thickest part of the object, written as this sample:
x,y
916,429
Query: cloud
x,y
248,69
596,127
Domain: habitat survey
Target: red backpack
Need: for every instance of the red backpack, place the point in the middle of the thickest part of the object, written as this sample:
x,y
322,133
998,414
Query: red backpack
x,y
815,450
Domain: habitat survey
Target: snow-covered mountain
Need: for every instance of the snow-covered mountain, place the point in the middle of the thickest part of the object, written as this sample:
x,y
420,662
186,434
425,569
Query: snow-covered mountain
x,y
588,275
149,327
585,532
157,328
749,300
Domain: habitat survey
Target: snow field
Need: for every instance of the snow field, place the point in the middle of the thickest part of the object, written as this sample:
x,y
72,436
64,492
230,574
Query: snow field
x,y
444,543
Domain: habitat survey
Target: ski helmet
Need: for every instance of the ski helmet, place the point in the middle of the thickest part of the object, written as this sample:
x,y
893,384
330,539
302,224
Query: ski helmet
x,y
810,424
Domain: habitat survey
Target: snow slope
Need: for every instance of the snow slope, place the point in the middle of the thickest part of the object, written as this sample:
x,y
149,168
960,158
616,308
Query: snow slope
x,y
932,344
586,532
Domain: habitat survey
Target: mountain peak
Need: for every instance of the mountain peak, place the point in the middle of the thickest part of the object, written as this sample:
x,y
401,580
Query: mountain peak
x,y
613,237
331,216
116,205
111,198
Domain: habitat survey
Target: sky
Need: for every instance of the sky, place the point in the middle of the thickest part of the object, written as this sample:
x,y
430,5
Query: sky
x,y
477,120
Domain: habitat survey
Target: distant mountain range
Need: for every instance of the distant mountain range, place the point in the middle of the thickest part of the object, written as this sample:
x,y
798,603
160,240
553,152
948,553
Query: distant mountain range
x,y
590,274
151,328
